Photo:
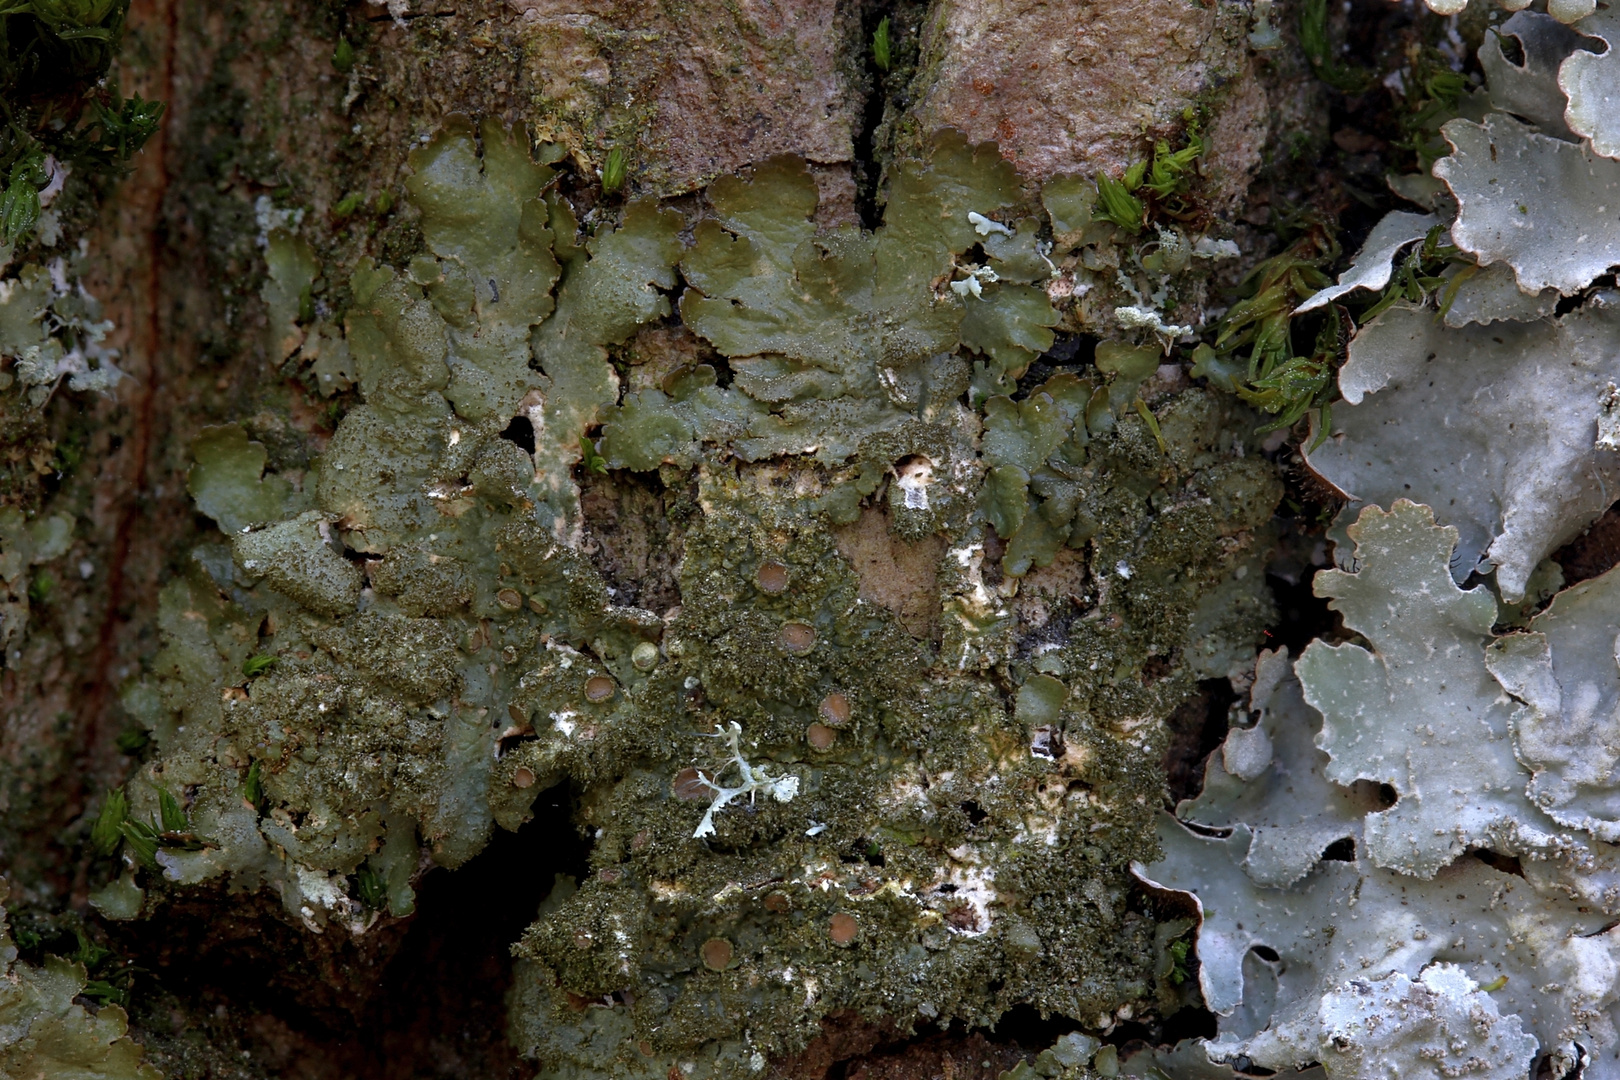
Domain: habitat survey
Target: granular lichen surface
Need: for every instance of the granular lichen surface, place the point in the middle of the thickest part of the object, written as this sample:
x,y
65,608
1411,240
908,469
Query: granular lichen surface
x,y
808,789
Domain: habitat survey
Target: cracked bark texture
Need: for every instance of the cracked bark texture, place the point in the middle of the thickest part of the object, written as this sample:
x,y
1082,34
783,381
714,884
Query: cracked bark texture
x,y
262,112
1073,91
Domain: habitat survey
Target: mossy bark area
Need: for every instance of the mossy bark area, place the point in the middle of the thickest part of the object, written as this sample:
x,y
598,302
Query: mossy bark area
x,y
303,115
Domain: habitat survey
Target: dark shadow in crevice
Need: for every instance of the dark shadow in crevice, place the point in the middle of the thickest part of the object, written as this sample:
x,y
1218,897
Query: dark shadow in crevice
x,y
1070,352
520,433
722,370
1341,850
444,993
421,996
1024,1026
1567,304
1512,49
1302,616
635,535
881,87
868,171
1507,864
1594,552
1189,1023
1197,728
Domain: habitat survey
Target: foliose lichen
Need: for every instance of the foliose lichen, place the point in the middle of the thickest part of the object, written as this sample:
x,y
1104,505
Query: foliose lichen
x,y
1404,865
391,653
25,544
1514,186
46,1033
65,120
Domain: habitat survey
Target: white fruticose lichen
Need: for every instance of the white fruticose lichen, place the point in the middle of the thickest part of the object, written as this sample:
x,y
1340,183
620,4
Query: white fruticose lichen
x,y
1206,247
753,779
973,285
985,226
1140,317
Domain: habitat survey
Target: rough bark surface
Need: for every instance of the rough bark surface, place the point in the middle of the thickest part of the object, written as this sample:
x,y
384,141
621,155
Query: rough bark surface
x,y
1076,89
693,90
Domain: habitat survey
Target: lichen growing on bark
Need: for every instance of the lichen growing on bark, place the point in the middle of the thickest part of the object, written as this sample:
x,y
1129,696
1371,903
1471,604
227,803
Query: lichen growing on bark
x,y
400,648
65,123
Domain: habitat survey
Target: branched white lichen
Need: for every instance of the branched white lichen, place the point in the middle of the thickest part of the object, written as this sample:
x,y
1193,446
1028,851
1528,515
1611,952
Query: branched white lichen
x,y
1137,317
973,284
985,226
754,779
1170,256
